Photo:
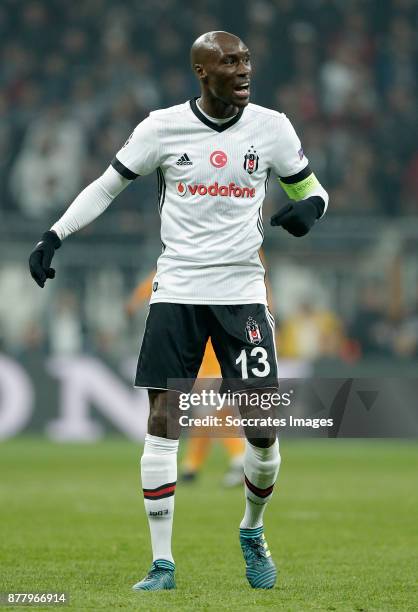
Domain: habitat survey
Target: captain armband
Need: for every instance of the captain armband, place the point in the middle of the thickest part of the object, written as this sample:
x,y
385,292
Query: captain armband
x,y
300,185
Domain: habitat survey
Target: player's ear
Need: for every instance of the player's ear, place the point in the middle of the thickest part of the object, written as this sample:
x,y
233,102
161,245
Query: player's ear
x,y
199,71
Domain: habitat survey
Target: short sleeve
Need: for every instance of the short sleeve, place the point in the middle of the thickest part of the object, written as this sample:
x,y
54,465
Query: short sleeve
x,y
140,155
288,157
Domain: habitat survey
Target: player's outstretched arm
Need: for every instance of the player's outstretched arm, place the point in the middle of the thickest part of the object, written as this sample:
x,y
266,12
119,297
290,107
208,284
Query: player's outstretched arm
x,y
87,206
140,155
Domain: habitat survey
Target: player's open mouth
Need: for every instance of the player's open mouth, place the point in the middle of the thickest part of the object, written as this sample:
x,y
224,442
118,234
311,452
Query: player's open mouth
x,y
242,91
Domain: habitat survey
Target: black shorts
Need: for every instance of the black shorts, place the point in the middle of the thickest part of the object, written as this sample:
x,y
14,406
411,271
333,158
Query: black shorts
x,y
175,340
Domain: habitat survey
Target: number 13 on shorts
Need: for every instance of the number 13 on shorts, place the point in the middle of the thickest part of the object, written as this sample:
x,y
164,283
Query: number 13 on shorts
x,y
262,369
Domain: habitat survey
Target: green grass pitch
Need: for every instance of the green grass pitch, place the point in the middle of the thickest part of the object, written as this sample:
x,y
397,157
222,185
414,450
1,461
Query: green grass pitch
x,y
342,527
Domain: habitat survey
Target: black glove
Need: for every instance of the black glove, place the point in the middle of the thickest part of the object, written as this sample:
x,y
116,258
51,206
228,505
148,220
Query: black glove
x,y
41,257
298,217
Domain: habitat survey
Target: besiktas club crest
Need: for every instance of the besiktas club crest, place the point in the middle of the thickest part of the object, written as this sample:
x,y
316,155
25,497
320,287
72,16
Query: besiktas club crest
x,y
251,160
253,331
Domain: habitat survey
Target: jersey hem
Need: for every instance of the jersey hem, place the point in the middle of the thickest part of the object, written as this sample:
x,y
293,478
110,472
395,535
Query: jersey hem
x,y
209,301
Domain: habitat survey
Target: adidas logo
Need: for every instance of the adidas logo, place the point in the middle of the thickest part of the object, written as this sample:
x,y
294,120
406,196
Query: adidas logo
x,y
184,161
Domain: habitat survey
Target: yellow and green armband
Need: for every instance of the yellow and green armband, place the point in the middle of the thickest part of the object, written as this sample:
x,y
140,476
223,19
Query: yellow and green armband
x,y
299,185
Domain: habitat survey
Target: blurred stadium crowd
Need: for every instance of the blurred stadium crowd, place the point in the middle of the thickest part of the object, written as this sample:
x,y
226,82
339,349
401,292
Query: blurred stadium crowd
x,y
76,79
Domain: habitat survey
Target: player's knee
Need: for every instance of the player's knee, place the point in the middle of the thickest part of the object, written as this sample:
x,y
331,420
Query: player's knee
x,y
263,442
162,421
157,422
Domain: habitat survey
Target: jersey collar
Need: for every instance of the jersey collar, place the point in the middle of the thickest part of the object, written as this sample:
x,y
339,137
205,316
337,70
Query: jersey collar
x,y
214,126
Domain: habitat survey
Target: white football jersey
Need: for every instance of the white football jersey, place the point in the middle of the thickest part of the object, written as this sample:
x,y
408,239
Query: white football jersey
x,y
212,181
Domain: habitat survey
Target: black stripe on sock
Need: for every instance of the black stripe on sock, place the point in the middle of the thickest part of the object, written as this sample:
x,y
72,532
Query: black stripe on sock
x,y
162,496
164,486
257,491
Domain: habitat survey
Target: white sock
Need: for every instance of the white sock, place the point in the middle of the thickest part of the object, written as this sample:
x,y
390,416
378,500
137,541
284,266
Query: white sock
x,y
261,466
159,476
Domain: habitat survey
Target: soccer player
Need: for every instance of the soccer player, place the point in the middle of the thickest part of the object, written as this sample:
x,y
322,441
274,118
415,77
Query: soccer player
x,y
213,156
